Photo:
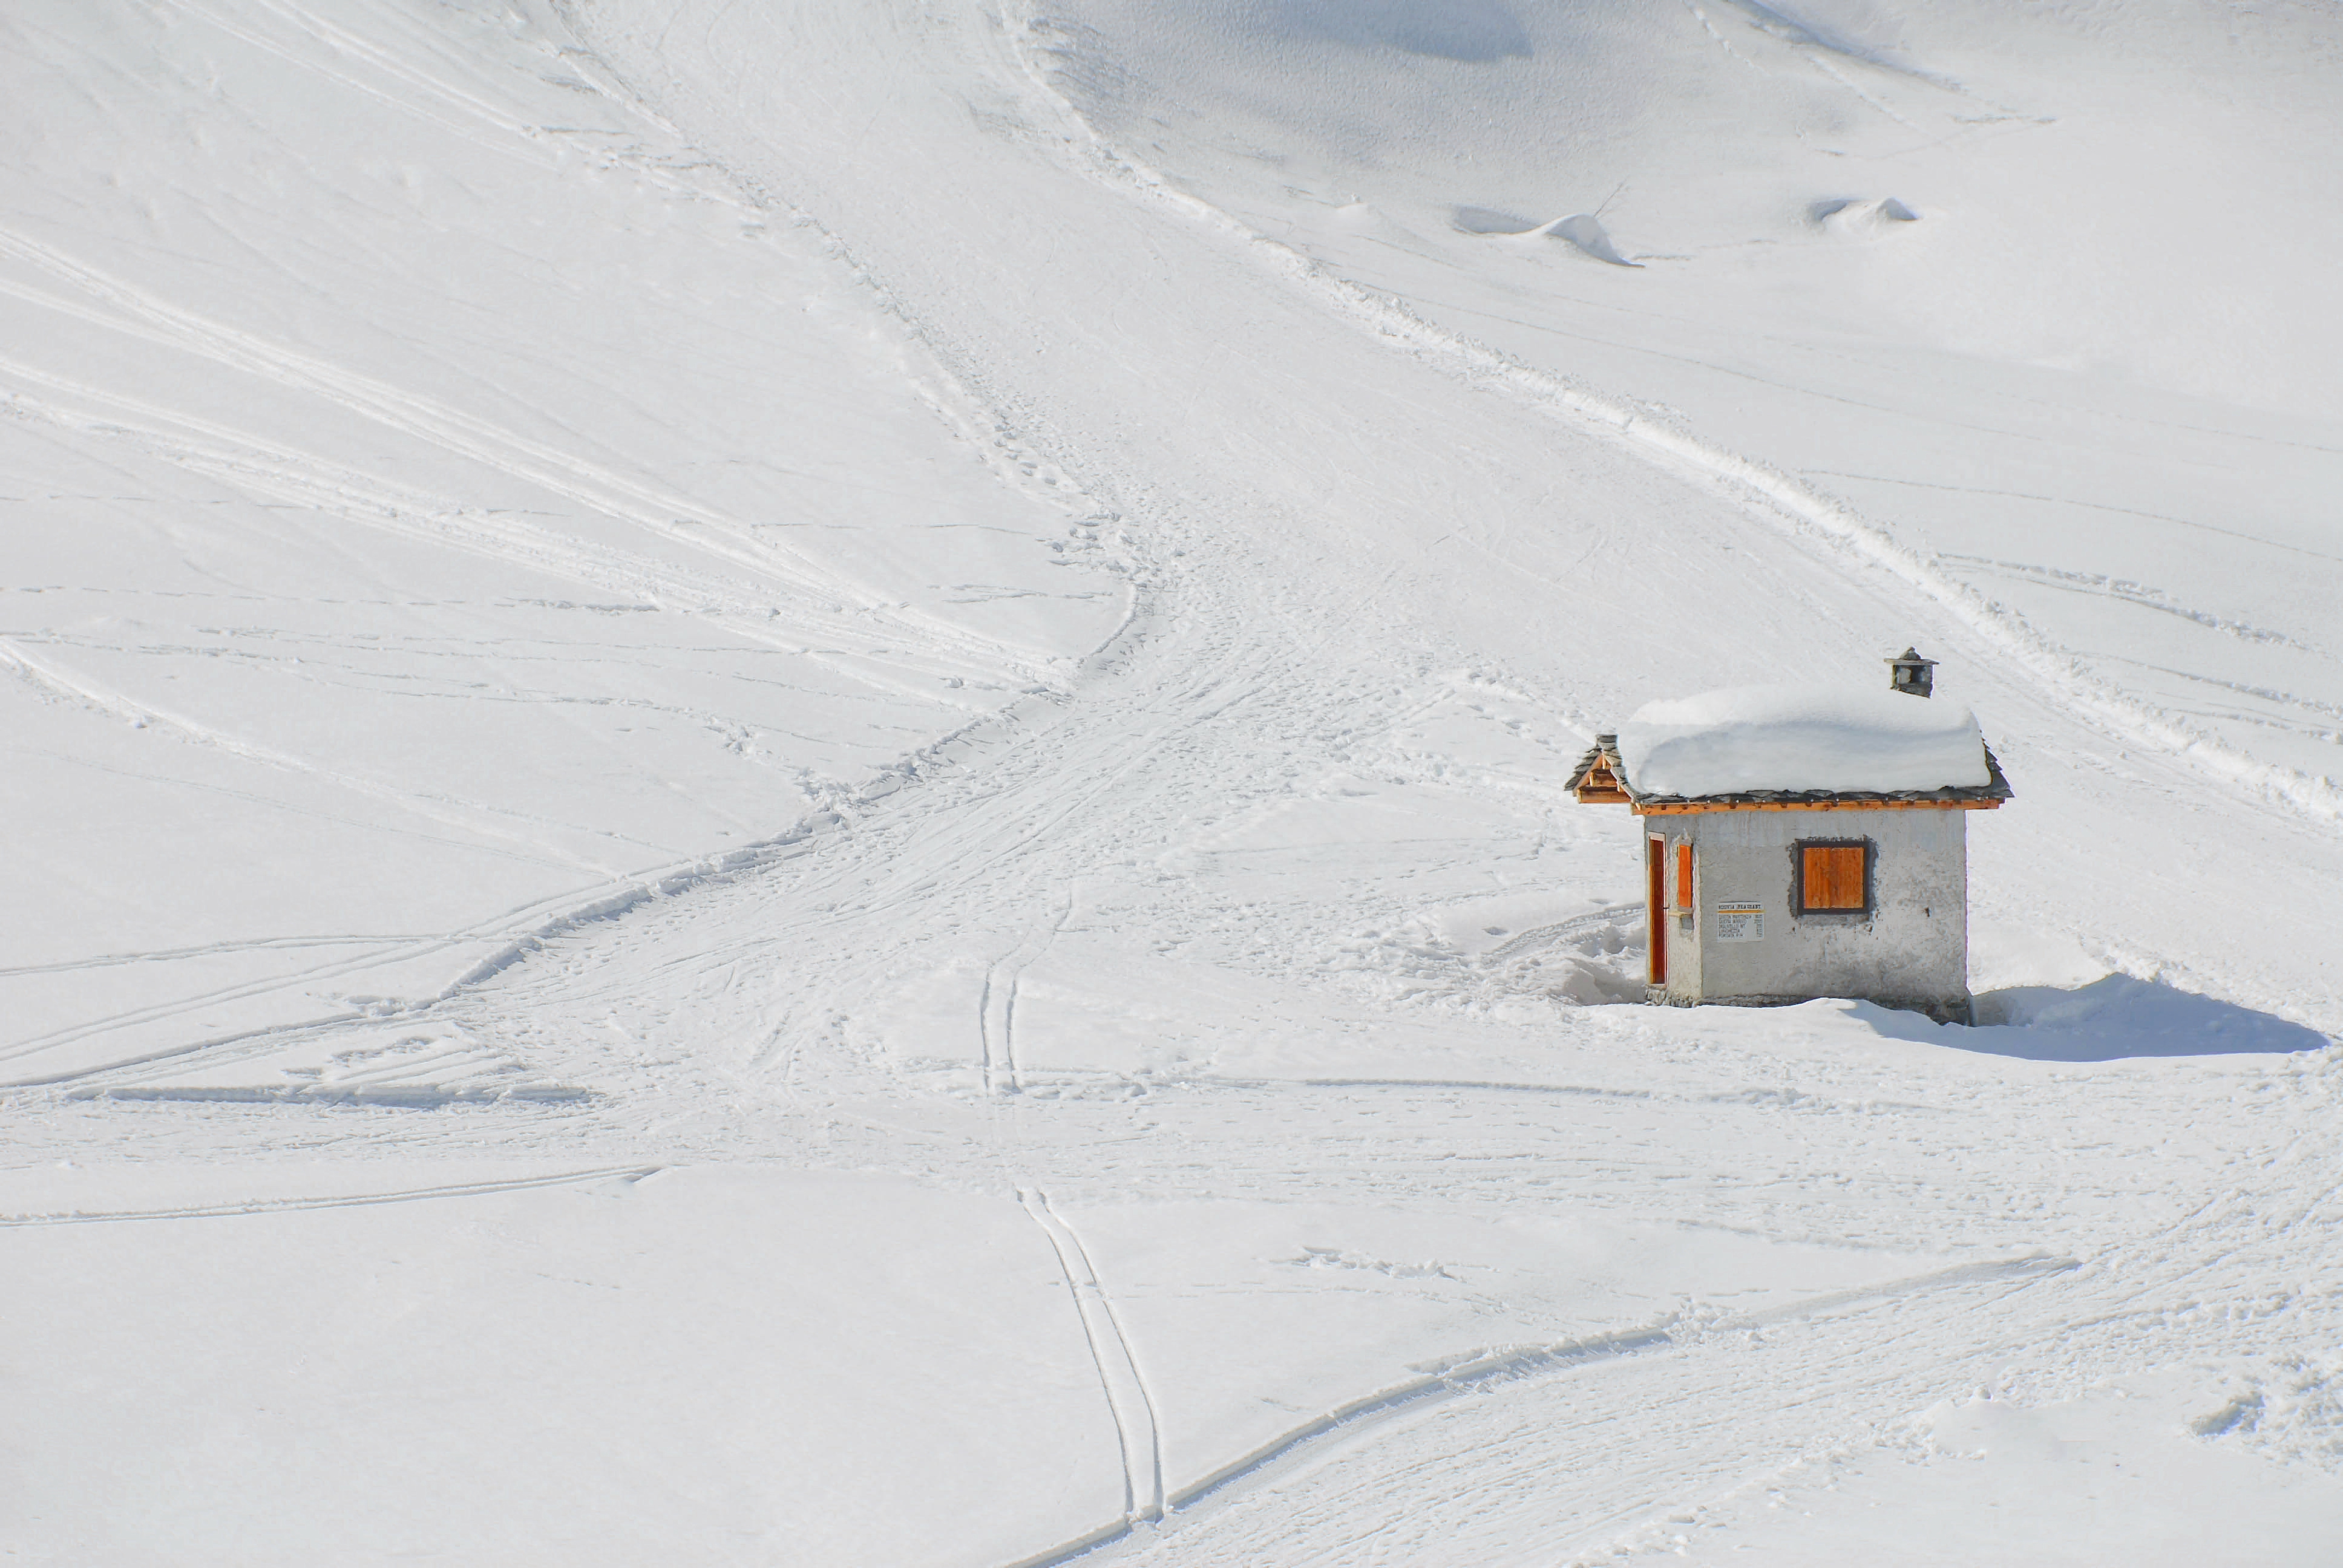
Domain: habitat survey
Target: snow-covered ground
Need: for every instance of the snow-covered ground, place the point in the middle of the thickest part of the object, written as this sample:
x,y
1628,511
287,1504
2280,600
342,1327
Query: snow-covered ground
x,y
788,779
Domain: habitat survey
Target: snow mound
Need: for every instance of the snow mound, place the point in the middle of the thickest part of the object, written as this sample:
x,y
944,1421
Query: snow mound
x,y
1863,219
1581,229
1586,231
1801,737
2124,1016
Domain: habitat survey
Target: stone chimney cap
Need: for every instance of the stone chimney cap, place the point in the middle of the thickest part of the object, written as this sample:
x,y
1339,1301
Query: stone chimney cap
x,y
1913,675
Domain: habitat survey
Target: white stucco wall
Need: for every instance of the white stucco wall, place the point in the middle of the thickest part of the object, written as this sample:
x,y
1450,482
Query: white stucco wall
x,y
1909,949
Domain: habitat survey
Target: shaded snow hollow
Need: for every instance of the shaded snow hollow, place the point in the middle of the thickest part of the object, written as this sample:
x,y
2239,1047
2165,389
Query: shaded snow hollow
x,y
1801,737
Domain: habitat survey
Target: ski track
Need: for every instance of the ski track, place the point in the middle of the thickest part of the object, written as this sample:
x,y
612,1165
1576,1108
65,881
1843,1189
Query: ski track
x,y
779,617
510,937
2139,593
1137,1431
629,1173
208,950
449,811
655,510
2073,501
998,1020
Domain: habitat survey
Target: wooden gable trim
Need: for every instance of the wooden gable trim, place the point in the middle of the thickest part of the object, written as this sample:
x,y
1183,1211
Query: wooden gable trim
x,y
1599,785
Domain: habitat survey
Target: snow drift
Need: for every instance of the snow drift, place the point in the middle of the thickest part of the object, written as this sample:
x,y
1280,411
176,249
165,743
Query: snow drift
x,y
1801,737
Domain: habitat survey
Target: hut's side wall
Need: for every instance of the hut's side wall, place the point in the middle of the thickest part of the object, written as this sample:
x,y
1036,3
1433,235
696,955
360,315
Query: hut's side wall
x,y
1910,948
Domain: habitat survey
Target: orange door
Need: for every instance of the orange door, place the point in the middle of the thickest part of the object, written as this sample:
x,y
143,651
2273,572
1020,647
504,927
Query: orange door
x,y
1656,861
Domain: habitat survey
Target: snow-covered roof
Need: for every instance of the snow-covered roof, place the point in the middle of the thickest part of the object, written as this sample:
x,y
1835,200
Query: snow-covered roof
x,y
1763,742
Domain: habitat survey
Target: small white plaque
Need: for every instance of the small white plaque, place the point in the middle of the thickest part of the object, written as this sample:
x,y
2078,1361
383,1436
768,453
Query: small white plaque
x,y
1740,922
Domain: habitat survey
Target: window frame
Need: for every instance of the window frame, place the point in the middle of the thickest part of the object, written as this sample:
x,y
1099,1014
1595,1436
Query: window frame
x,y
1798,907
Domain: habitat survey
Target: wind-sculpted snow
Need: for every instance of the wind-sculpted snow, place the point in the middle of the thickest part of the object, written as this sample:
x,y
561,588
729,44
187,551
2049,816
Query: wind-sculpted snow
x,y
793,782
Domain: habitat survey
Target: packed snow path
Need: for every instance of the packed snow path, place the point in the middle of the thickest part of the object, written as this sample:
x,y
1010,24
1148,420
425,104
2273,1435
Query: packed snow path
x,y
1157,1108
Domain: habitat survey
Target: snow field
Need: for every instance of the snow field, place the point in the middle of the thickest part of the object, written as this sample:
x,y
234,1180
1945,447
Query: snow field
x,y
593,1372
799,776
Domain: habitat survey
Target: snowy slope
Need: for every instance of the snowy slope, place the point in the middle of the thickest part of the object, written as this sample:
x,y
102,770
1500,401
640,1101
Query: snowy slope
x,y
798,774
2037,291
437,500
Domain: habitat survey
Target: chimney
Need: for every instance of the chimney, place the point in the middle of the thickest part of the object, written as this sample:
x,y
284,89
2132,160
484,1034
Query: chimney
x,y
1914,676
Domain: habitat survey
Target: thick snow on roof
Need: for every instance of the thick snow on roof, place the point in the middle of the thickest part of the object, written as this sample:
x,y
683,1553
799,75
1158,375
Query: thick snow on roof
x,y
1800,738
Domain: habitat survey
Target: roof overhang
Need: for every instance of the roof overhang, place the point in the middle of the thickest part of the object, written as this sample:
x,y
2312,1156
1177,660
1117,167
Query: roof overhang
x,y
1832,803
1600,780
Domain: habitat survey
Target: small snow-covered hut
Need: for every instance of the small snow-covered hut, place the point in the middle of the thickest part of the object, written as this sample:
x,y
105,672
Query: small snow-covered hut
x,y
1805,841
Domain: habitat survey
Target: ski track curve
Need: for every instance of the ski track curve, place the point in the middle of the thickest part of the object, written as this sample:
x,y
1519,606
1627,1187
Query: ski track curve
x,y
1355,1426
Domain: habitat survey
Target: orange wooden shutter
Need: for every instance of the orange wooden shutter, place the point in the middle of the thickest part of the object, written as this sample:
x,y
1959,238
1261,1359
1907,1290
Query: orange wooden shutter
x,y
1818,879
1833,876
1846,876
1683,876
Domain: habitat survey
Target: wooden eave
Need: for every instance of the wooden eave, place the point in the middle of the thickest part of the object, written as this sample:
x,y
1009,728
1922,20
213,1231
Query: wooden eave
x,y
1824,803
1600,780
